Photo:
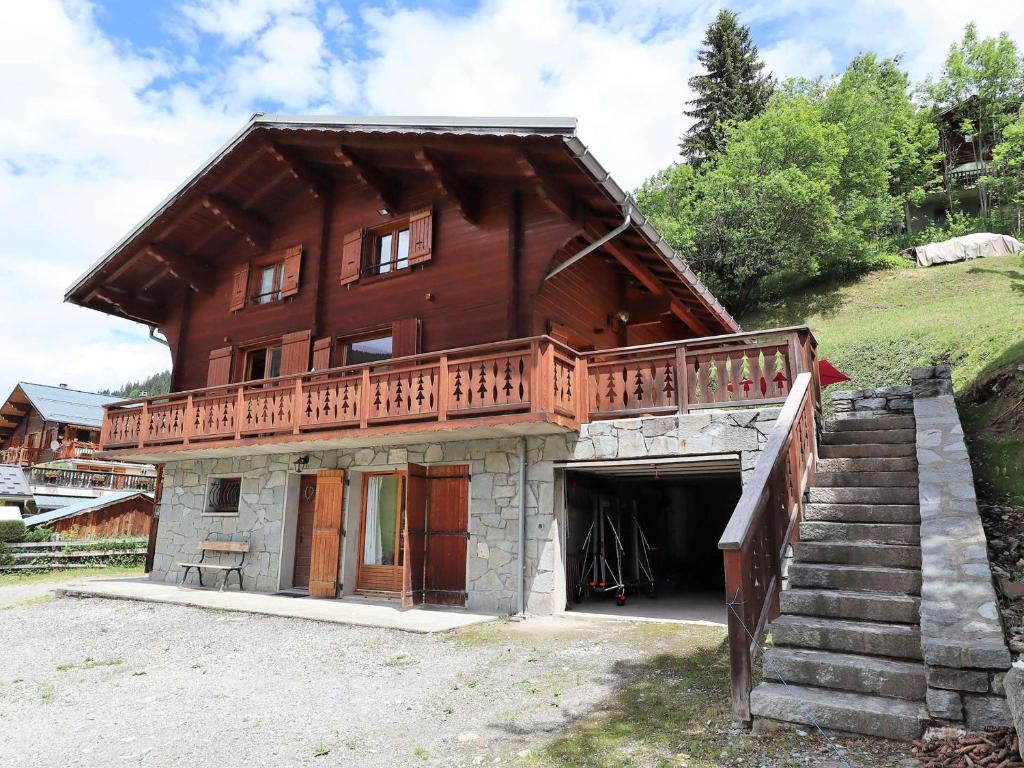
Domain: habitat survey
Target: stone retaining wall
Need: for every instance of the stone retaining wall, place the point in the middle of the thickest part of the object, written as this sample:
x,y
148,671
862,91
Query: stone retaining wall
x,y
494,496
868,403
962,641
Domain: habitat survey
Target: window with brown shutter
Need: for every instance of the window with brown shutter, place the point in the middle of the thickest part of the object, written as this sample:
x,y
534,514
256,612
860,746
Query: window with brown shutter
x,y
405,336
219,372
295,353
291,264
421,235
322,353
351,256
239,288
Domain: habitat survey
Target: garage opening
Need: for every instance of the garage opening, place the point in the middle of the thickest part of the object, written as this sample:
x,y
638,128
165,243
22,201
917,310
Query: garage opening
x,y
642,537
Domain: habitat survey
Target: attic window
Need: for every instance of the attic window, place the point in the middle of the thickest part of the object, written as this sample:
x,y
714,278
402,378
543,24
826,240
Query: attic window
x,y
390,250
268,286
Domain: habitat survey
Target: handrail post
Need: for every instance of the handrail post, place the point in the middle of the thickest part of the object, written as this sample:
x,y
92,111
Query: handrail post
x,y
297,405
682,384
239,407
105,426
739,642
144,423
189,420
582,390
364,398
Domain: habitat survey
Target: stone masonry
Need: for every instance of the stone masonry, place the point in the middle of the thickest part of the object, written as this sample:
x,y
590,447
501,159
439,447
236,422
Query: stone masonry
x,y
867,403
961,635
494,496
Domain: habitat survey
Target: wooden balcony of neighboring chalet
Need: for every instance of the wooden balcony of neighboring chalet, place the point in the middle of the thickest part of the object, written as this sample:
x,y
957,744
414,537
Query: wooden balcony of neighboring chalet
x,y
22,455
47,478
525,386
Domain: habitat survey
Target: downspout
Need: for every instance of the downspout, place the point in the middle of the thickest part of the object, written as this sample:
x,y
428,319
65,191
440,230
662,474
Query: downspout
x,y
521,549
594,245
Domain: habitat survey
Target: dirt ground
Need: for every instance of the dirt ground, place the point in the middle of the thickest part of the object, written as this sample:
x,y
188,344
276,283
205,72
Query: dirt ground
x,y
101,682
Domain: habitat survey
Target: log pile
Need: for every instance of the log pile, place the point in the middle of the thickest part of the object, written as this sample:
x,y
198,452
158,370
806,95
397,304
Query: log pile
x,y
994,747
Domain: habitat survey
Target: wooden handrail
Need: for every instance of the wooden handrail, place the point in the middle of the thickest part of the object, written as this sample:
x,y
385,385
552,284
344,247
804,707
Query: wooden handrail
x,y
764,523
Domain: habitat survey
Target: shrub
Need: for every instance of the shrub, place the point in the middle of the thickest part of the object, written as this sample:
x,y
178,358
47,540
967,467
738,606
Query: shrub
x,y
39,533
12,530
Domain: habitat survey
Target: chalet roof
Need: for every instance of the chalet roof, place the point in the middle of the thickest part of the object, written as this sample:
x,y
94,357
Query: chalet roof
x,y
13,483
575,159
60,404
82,506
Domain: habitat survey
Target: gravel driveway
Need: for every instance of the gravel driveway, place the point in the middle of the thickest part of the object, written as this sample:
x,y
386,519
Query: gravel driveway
x,y
104,682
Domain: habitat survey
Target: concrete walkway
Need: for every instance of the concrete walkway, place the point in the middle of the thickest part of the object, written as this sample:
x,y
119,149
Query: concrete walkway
x,y
355,611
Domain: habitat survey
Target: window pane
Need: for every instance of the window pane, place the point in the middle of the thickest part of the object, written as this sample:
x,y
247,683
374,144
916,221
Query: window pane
x,y
368,350
384,254
402,257
381,520
273,362
267,286
257,363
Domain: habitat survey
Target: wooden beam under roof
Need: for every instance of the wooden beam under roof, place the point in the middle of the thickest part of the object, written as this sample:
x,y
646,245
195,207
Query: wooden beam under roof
x,y
386,188
177,264
131,306
5,424
465,195
298,168
253,228
553,195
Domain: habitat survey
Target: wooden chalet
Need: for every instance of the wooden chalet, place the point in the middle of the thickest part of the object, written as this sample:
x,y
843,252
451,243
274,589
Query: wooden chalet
x,y
421,358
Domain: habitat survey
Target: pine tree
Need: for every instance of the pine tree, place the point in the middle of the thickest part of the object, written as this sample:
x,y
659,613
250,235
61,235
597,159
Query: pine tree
x,y
732,88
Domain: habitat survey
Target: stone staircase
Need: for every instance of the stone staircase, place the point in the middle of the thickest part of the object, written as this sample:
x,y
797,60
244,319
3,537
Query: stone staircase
x,y
848,641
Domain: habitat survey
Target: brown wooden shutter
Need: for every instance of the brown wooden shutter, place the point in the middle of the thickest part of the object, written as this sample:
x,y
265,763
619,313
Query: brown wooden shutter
x,y
413,535
421,235
239,288
405,337
351,256
322,353
323,567
295,353
292,264
219,372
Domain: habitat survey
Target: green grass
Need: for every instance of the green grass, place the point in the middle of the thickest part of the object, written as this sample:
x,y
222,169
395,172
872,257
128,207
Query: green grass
x,y
971,315
41,577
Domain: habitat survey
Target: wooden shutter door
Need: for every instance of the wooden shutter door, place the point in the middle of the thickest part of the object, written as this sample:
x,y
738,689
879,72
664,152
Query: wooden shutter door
x,y
219,372
322,353
405,337
239,288
421,235
351,256
291,266
412,535
295,353
446,534
323,566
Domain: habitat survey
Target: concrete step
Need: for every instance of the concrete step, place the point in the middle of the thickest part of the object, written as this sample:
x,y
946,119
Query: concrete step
x,y
862,479
847,604
904,464
867,451
853,672
859,578
865,495
869,437
900,641
863,513
881,533
870,424
878,716
858,553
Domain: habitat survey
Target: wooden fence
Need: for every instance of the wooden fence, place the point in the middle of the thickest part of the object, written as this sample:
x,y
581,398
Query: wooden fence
x,y
48,555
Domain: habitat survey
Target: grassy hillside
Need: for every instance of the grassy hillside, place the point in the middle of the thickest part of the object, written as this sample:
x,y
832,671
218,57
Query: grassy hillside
x,y
970,315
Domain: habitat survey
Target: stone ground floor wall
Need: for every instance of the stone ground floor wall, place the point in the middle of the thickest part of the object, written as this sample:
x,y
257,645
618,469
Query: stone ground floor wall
x,y
493,507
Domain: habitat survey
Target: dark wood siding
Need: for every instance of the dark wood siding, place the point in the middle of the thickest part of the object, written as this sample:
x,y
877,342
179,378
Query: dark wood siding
x,y
131,517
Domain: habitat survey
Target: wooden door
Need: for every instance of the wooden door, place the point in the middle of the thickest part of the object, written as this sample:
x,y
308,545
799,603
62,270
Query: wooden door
x,y
446,533
381,528
326,549
415,527
304,526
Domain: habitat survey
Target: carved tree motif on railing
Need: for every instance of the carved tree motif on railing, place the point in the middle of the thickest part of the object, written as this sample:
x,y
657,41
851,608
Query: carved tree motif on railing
x,y
268,410
641,384
490,382
166,422
562,381
124,426
410,393
330,402
739,374
214,416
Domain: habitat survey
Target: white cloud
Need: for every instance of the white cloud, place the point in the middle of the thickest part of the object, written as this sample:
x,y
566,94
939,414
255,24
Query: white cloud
x,y
98,131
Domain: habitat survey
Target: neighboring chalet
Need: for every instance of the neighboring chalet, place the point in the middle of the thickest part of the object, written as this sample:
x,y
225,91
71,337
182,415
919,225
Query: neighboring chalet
x,y
116,514
52,433
15,494
447,361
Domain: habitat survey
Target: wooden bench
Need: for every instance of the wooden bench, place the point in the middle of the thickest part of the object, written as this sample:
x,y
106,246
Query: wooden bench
x,y
240,548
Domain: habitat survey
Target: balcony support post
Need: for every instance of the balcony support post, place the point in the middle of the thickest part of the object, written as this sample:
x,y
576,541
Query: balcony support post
x,y
582,390
364,399
189,420
682,384
442,389
297,406
239,407
144,423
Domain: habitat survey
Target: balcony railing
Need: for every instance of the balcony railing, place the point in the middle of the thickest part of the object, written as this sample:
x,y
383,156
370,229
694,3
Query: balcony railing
x,y
23,455
536,378
77,478
75,449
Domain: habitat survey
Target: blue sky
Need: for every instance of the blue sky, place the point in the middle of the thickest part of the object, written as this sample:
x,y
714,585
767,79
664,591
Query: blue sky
x,y
108,105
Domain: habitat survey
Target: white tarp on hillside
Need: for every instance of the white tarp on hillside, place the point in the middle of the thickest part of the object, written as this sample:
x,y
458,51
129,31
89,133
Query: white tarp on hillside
x,y
967,247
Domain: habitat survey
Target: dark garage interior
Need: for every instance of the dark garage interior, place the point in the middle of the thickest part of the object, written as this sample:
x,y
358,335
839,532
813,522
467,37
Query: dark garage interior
x,y
646,545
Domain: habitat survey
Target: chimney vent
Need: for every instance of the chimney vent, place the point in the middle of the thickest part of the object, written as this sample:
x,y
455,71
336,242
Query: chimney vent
x,y
63,386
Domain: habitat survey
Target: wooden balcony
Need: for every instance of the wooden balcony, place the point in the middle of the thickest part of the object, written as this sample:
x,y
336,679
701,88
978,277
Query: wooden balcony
x,y
525,381
75,449
23,455
86,480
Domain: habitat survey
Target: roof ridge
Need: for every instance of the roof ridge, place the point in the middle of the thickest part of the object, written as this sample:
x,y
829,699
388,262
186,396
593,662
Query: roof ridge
x,y
66,389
